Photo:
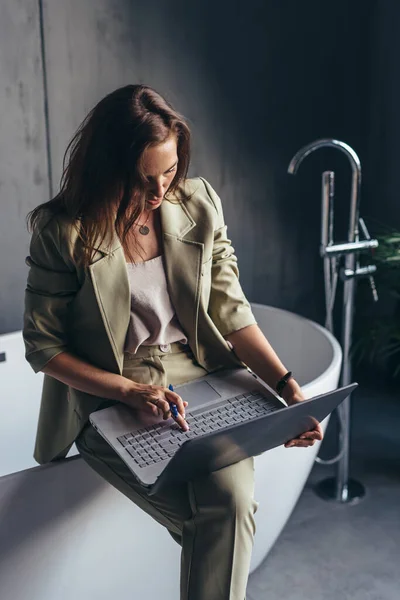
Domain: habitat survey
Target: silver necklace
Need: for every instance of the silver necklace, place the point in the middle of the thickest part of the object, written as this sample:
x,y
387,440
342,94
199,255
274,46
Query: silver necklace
x,y
143,229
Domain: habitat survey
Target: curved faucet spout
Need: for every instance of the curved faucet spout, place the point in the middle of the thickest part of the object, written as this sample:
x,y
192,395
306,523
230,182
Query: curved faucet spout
x,y
356,175
324,143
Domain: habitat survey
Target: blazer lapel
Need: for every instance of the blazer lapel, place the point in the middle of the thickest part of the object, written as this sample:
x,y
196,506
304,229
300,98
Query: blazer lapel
x,y
183,263
111,286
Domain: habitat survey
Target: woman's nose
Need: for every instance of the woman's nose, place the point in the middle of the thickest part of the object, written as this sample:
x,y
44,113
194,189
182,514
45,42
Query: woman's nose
x,y
158,189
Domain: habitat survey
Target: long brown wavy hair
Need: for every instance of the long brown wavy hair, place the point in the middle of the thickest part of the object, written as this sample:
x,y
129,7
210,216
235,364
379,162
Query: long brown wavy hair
x,y
103,186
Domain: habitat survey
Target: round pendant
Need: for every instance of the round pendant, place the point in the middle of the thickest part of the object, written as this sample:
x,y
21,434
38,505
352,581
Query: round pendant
x,y
144,230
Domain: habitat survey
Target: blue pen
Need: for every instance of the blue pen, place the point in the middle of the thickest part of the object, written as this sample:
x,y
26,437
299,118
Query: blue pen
x,y
173,407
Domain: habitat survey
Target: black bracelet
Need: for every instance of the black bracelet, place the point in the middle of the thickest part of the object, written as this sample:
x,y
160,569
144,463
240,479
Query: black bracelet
x,y
282,382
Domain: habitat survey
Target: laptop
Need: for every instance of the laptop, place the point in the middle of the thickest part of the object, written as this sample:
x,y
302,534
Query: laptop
x,y
232,415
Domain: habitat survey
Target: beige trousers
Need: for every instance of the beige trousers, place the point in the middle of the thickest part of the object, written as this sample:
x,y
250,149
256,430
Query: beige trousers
x,y
211,517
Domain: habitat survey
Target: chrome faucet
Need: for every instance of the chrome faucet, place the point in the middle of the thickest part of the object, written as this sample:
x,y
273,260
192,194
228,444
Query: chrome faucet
x,y
353,245
342,488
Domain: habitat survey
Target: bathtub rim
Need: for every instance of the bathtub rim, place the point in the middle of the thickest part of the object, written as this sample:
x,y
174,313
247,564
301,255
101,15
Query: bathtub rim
x,y
335,364
337,350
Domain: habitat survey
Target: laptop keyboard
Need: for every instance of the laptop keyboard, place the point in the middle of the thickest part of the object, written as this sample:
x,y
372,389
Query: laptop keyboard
x,y
155,443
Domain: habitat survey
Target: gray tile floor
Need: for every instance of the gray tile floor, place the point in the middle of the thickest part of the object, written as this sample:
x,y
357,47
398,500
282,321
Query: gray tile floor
x,y
340,552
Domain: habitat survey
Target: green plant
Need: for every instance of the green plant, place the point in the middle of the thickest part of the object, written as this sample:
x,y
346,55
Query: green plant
x,y
377,328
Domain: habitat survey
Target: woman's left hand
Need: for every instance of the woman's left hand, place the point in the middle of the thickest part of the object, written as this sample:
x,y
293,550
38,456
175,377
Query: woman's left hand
x,y
294,395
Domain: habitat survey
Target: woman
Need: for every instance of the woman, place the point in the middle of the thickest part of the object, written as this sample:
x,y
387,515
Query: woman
x,y
133,285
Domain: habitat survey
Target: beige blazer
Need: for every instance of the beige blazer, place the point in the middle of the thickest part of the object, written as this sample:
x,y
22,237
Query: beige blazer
x,y
86,311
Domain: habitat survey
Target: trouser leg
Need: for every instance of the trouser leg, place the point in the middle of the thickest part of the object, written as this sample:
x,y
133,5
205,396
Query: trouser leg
x,y
218,538
212,517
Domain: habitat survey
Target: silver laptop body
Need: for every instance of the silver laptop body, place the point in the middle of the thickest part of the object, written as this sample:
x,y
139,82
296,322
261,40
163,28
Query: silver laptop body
x,y
228,414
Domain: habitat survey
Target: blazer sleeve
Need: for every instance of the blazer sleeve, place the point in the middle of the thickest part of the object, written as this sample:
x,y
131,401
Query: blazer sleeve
x,y
228,306
51,286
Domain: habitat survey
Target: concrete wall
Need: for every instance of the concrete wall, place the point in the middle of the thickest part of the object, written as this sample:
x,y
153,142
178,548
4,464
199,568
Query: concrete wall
x,y
23,163
257,80
383,148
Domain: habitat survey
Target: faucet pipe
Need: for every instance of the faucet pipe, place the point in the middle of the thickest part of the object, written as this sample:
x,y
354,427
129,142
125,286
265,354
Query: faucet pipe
x,y
328,191
330,271
341,488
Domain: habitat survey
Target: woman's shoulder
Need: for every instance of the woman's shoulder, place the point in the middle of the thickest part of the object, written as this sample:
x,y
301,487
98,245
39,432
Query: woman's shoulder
x,y
54,229
197,187
199,191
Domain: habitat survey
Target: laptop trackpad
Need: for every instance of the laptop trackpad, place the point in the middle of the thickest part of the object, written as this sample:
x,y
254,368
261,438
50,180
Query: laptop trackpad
x,y
197,393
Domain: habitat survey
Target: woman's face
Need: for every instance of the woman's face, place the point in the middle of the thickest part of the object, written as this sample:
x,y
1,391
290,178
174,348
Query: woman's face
x,y
159,164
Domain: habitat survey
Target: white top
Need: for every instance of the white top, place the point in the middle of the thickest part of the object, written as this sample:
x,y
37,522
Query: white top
x,y
153,320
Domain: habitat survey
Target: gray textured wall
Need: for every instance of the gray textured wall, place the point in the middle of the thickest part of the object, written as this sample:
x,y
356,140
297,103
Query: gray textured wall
x,y
383,149
23,164
257,80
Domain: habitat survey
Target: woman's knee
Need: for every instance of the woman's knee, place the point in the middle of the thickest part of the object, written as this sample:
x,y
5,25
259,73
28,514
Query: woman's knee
x,y
240,486
230,489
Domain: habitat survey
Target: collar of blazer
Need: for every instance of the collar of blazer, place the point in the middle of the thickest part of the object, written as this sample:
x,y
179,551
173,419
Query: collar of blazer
x,y
183,263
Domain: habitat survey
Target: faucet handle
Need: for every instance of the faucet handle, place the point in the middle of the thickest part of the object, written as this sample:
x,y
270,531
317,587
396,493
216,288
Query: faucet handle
x,y
371,279
373,289
364,228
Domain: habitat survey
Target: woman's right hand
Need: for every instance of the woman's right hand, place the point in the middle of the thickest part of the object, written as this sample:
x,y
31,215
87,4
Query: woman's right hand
x,y
155,399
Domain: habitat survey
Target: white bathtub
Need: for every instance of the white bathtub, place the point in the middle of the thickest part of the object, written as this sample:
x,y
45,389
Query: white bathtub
x,y
65,534
315,358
